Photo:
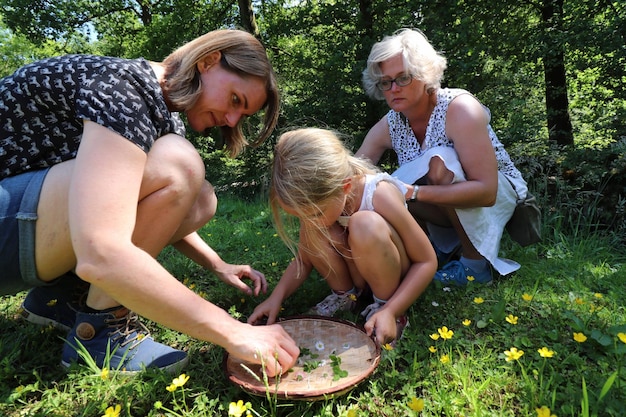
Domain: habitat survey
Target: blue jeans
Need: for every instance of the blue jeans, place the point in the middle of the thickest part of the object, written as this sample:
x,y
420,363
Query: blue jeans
x,y
19,199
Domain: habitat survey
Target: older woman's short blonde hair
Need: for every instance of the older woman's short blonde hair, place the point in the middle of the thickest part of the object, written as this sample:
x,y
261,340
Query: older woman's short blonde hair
x,y
242,54
421,60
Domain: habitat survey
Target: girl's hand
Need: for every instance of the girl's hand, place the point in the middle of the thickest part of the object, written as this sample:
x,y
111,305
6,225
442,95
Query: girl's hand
x,y
234,275
268,308
383,326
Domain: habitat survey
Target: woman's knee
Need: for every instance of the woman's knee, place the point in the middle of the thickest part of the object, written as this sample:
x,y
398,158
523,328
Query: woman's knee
x,y
205,207
174,163
438,173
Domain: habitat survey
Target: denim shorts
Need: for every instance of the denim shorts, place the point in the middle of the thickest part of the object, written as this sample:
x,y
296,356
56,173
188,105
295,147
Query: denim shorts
x,y
19,198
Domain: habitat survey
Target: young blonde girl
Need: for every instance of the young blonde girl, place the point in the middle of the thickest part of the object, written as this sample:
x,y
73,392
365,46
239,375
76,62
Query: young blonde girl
x,y
355,231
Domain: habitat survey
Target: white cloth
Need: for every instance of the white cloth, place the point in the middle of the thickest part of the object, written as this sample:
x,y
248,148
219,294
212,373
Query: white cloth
x,y
483,225
371,182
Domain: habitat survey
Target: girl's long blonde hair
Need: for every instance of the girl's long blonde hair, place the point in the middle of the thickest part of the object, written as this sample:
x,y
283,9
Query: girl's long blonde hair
x,y
310,168
242,54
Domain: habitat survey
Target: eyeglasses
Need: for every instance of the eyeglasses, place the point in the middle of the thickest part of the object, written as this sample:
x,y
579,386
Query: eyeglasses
x,y
401,81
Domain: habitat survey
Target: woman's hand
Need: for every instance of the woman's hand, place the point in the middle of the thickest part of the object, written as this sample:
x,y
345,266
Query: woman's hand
x,y
196,249
270,346
234,275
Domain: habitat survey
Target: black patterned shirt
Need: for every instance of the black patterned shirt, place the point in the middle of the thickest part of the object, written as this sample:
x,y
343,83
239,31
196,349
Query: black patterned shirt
x,y
43,106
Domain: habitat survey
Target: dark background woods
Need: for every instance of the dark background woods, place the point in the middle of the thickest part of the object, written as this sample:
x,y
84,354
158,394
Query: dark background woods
x,y
551,71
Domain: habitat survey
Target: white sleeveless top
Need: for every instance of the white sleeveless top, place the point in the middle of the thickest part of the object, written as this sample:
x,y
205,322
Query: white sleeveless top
x,y
367,201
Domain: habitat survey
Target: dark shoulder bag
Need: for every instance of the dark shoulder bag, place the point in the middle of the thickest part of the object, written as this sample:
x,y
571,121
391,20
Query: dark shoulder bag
x,y
524,227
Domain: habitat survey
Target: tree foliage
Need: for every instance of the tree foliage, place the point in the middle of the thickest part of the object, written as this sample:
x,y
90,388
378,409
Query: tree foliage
x,y
553,72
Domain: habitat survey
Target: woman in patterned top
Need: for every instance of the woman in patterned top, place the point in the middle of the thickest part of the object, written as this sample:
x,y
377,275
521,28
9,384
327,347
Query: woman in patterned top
x,y
465,186
97,178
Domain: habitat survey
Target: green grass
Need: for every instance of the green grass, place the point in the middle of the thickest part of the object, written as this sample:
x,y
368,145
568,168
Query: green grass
x,y
577,285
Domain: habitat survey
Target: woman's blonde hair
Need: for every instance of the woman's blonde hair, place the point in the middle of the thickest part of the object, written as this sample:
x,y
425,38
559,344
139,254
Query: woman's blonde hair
x,y
421,60
310,168
242,54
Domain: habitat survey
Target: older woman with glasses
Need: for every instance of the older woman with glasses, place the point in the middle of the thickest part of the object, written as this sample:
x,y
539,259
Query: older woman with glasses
x,y
462,186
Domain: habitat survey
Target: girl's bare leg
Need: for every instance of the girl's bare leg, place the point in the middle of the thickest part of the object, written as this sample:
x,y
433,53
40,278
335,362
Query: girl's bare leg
x,y
328,261
378,253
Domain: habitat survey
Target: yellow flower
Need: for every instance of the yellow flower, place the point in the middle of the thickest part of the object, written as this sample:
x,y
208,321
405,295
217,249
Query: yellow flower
x,y
479,300
352,412
544,352
544,412
511,319
527,297
579,301
513,354
387,346
237,409
113,411
470,278
52,303
467,322
432,349
171,388
434,336
622,336
444,359
416,404
180,381
445,333
598,295
579,337
104,374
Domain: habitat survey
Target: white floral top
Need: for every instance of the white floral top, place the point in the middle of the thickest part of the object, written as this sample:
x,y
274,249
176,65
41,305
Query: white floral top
x,y
407,147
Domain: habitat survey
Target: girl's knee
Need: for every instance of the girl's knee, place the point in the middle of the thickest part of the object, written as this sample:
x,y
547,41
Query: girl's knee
x,y
366,229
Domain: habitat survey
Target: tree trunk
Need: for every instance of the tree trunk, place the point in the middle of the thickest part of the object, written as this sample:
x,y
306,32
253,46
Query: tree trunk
x,y
557,104
248,21
367,41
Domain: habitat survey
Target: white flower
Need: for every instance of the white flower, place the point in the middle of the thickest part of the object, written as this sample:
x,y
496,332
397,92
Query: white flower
x,y
435,304
447,289
319,345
